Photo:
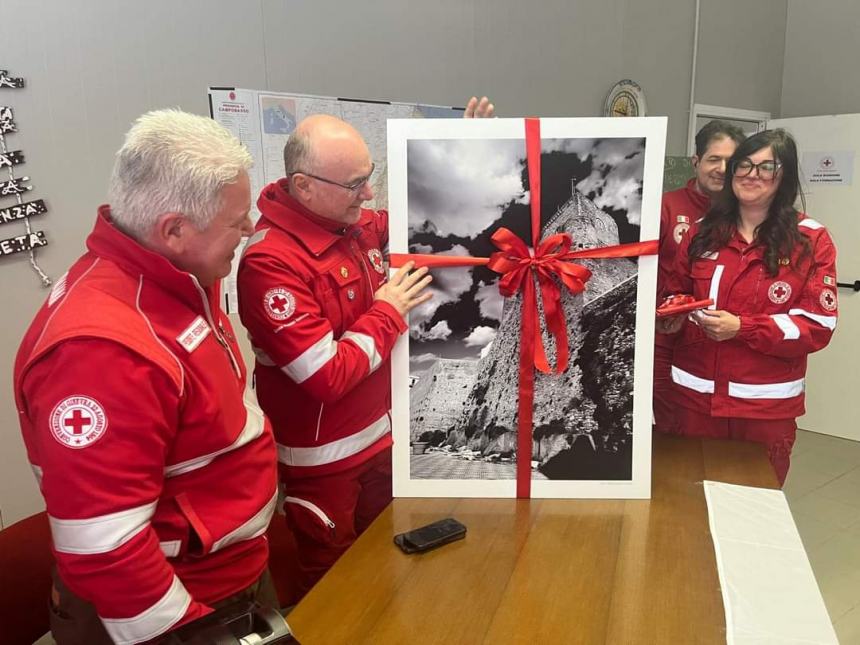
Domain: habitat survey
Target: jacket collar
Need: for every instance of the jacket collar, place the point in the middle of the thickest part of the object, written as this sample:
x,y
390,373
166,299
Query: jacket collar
x,y
699,199
108,242
315,233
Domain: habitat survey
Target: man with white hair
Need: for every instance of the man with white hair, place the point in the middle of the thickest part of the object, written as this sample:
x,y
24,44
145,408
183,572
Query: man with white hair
x,y
323,318
155,462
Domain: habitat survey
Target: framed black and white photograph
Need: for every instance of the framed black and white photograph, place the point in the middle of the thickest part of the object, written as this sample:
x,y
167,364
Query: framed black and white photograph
x,y
452,185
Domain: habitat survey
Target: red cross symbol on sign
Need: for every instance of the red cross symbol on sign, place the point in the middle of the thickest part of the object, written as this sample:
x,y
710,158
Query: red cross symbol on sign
x,y
827,163
278,303
77,422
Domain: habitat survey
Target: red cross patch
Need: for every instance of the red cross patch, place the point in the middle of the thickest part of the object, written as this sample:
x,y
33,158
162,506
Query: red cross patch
x,y
78,421
828,299
279,303
376,260
779,292
678,231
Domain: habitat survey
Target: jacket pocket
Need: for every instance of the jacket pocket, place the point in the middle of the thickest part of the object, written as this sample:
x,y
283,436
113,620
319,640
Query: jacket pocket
x,y
307,519
346,297
198,540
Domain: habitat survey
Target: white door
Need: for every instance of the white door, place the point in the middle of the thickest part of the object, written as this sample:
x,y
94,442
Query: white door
x,y
830,147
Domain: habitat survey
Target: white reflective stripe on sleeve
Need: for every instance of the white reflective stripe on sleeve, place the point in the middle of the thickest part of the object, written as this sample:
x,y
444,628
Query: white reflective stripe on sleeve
x,y
715,284
692,381
787,390
259,236
810,223
170,548
37,471
262,357
254,424
367,345
102,533
824,321
336,450
312,360
790,331
151,622
254,527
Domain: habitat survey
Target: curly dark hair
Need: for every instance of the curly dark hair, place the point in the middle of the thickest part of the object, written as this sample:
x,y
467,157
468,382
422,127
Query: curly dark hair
x,y
778,233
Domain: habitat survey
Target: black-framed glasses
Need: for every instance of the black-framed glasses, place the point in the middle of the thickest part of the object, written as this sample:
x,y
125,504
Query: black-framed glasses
x,y
352,187
766,169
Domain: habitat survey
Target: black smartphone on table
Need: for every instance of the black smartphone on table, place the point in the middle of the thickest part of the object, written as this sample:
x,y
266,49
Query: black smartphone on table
x,y
430,536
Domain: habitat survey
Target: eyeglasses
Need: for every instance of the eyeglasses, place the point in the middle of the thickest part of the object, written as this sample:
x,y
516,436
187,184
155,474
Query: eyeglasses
x,y
766,169
353,187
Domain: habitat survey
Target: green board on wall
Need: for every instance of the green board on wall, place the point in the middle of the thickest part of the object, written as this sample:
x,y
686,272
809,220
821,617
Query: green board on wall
x,y
676,172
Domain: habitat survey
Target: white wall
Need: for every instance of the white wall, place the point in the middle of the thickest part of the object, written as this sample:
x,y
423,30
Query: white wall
x,y
822,50
92,66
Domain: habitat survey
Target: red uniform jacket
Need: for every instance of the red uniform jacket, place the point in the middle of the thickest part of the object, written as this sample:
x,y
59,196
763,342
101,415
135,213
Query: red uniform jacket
x,y
156,464
760,372
680,209
322,343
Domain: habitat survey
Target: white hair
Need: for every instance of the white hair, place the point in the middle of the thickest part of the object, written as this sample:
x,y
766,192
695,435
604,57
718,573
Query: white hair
x,y
173,162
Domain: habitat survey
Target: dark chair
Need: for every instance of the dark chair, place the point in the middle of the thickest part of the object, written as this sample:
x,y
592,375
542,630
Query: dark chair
x,y
25,580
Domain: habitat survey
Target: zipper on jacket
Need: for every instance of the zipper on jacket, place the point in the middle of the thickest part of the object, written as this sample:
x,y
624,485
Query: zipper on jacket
x,y
215,328
319,422
313,508
360,258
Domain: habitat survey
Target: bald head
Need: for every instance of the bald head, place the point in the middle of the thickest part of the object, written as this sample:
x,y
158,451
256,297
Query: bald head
x,y
328,165
320,140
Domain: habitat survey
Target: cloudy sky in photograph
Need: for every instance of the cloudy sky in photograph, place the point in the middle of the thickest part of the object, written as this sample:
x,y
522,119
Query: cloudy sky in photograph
x,y
461,191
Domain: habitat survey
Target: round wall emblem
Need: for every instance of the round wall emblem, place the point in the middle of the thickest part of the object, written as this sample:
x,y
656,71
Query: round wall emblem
x,y
78,421
779,292
279,303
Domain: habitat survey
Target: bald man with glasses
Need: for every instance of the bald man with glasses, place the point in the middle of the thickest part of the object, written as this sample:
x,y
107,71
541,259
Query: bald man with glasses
x,y
323,317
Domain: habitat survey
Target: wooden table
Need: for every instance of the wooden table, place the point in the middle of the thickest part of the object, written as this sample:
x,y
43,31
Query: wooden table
x,y
543,571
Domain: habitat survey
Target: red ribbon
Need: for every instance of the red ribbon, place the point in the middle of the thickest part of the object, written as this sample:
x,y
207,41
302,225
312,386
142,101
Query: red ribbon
x,y
550,264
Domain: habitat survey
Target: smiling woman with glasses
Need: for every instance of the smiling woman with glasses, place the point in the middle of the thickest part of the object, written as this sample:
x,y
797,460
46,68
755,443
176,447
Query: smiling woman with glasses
x,y
738,369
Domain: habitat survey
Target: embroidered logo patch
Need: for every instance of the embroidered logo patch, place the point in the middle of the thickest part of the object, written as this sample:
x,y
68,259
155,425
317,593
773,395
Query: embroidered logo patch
x,y
376,260
830,281
828,299
779,292
78,421
194,334
679,230
683,219
279,303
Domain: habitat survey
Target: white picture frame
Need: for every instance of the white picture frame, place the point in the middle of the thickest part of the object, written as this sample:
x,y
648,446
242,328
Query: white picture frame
x,y
469,139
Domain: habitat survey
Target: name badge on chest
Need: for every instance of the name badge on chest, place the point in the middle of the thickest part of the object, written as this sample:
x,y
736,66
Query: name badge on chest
x,y
194,334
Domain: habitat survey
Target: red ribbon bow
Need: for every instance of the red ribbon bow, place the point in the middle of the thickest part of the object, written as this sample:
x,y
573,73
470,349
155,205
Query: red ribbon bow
x,y
552,266
517,266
